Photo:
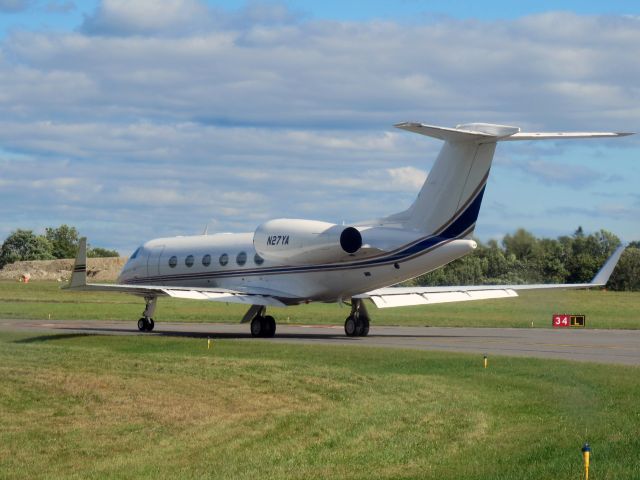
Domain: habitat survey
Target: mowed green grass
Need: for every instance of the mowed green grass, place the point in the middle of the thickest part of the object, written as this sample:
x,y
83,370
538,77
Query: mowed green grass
x,y
604,309
89,406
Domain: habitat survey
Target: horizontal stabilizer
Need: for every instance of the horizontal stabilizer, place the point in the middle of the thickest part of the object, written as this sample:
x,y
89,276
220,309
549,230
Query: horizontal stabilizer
x,y
487,132
562,135
462,133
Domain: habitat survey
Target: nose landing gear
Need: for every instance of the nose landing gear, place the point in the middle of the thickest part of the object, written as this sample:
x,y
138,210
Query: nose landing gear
x,y
146,323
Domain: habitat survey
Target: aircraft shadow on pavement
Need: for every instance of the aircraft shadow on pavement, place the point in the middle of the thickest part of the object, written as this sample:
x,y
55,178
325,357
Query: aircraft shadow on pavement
x,y
311,335
196,334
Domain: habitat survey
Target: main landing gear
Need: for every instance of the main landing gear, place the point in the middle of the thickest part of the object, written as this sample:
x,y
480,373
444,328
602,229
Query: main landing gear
x,y
264,326
357,323
146,323
261,325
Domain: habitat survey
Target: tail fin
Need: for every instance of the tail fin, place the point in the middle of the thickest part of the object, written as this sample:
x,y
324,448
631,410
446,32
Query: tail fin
x,y
449,201
79,274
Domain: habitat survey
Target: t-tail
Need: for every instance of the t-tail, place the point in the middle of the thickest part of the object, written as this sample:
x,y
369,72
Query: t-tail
x,y
449,201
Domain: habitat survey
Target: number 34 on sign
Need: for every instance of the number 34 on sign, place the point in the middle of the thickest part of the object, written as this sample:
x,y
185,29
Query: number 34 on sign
x,y
561,320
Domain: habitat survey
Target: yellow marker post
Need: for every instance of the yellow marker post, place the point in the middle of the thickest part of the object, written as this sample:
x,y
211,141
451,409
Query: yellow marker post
x,y
486,361
208,343
586,450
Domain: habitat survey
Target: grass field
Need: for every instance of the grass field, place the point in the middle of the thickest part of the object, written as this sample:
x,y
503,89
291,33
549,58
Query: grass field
x,y
86,406
43,300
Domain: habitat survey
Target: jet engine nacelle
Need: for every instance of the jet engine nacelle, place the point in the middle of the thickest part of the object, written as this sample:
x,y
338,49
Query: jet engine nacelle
x,y
295,241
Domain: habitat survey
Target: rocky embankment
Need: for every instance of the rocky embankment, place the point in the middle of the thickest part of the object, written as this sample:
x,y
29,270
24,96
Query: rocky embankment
x,y
98,269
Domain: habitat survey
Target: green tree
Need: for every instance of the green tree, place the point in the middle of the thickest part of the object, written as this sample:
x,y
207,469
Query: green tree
x,y
64,241
588,253
25,245
99,252
525,258
626,276
522,244
552,262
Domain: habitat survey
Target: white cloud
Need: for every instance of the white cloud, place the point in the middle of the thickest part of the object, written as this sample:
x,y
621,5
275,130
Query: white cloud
x,y
559,173
407,177
140,17
167,107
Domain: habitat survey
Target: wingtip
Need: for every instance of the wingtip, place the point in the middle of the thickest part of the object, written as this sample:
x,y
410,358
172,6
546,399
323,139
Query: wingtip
x,y
602,277
79,272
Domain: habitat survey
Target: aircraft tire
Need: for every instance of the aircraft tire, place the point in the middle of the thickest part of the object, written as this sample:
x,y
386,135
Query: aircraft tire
x,y
257,327
270,326
350,326
142,324
146,324
365,327
359,327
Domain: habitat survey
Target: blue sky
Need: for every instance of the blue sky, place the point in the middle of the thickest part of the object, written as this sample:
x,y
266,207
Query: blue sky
x,y
133,120
63,15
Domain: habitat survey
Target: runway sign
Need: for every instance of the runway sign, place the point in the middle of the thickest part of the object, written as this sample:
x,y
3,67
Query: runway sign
x,y
562,320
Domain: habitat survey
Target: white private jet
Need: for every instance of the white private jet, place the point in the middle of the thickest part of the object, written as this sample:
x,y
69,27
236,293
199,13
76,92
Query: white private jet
x,y
290,261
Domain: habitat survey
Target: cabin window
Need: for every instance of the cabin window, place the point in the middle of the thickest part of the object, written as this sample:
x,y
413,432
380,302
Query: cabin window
x,y
173,261
206,260
241,259
258,260
224,259
189,261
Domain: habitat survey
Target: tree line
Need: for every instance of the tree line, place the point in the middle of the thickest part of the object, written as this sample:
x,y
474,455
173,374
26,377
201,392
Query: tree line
x,y
522,258
60,242
519,258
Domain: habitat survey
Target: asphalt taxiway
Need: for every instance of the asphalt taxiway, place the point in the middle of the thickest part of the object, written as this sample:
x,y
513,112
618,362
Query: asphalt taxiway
x,y
602,346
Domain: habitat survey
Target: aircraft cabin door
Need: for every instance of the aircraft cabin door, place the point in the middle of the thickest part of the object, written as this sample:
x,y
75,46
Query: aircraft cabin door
x,y
153,260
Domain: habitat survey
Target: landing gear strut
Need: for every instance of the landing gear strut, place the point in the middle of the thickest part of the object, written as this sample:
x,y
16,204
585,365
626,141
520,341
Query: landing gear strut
x,y
261,325
146,323
357,323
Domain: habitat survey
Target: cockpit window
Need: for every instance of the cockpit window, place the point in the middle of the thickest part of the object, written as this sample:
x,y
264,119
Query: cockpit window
x,y
135,254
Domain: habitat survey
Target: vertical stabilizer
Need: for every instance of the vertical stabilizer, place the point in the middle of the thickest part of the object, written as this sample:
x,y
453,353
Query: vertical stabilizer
x,y
449,201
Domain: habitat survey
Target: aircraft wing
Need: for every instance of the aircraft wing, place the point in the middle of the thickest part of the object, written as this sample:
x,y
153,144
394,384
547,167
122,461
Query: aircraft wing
x,y
248,296
406,296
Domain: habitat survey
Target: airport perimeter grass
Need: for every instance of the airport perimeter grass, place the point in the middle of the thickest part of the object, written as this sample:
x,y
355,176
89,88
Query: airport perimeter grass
x,y
89,406
44,300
